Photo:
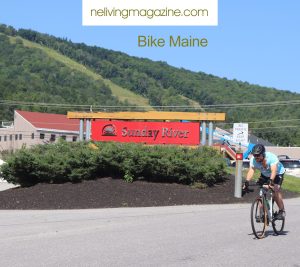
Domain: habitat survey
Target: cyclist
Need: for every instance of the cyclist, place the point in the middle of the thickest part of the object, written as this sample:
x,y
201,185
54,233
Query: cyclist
x,y
272,172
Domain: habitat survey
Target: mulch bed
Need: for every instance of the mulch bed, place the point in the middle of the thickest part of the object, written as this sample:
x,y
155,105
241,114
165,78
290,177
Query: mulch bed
x,y
110,193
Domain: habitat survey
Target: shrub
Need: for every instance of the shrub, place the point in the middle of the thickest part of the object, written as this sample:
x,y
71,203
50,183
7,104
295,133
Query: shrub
x,y
74,162
19,167
59,162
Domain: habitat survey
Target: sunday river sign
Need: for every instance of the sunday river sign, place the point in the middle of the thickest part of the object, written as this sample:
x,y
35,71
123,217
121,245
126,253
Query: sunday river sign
x,y
187,133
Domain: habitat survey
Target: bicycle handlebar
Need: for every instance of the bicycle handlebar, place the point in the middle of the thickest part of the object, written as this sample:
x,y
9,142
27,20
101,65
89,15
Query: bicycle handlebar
x,y
265,185
257,183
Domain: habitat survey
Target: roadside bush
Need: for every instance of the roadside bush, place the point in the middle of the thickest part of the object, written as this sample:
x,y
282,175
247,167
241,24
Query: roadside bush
x,y
19,168
52,163
73,162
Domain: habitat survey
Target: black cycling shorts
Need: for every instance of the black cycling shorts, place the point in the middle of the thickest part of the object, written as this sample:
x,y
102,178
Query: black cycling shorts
x,y
278,178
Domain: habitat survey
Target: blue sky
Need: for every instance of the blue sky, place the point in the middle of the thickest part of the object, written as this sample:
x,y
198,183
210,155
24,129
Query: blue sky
x,y
256,41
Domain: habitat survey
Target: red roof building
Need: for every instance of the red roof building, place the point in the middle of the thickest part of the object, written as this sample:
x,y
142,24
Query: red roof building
x,y
55,122
31,128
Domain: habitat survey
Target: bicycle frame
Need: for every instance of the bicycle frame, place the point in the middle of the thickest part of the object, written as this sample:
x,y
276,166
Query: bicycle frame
x,y
268,203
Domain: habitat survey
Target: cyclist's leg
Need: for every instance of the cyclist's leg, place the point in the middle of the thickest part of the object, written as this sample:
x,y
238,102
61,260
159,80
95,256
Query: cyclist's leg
x,y
262,180
277,189
278,208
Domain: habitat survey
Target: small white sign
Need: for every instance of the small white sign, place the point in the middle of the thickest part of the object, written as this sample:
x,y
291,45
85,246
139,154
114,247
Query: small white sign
x,y
240,133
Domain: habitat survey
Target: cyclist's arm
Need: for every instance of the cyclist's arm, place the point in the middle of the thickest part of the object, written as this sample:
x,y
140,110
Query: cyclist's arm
x,y
250,173
248,177
273,172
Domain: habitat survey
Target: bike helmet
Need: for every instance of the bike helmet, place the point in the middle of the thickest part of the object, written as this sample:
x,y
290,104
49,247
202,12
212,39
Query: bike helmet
x,y
258,150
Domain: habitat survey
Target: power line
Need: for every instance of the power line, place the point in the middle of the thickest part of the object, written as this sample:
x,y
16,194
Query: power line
x,y
268,121
227,123
88,106
263,104
277,127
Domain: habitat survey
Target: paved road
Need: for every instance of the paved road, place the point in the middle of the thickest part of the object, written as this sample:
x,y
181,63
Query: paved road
x,y
214,235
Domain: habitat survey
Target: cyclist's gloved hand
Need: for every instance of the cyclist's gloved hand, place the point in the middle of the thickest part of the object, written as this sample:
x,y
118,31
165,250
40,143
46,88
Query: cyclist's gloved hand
x,y
270,182
246,185
245,188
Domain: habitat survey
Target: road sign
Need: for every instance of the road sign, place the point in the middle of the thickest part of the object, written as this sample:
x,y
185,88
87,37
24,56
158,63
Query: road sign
x,y
240,133
239,156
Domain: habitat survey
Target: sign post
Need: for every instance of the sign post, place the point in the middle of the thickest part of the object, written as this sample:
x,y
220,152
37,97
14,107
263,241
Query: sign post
x,y
240,136
238,175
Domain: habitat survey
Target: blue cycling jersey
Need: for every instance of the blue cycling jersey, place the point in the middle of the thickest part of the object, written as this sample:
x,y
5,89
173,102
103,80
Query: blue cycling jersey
x,y
271,160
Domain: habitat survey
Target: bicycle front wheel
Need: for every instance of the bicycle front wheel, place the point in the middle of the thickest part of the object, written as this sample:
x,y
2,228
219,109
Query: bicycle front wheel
x,y
258,218
277,224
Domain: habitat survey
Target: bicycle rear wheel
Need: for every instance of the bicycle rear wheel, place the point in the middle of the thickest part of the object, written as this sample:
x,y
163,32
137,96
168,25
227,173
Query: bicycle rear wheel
x,y
258,218
278,225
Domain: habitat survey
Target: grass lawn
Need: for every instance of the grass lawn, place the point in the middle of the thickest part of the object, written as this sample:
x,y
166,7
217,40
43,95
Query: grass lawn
x,y
290,183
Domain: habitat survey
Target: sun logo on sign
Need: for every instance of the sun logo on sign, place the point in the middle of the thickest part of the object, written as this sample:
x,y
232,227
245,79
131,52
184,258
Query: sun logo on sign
x,y
109,130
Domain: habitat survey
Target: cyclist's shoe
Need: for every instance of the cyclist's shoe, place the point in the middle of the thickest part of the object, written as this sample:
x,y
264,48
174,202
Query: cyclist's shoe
x,y
280,215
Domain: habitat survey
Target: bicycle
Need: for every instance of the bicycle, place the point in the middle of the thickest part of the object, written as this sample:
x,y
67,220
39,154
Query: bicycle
x,y
263,211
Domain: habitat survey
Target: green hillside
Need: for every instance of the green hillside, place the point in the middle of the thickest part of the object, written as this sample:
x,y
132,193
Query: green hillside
x,y
120,93
164,85
30,75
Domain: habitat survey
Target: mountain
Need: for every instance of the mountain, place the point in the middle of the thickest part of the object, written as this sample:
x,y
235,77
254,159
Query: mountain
x,y
65,72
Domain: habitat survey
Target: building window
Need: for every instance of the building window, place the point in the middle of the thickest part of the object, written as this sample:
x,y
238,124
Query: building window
x,y
64,137
42,136
5,138
10,137
74,138
20,136
52,137
0,138
32,136
16,137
